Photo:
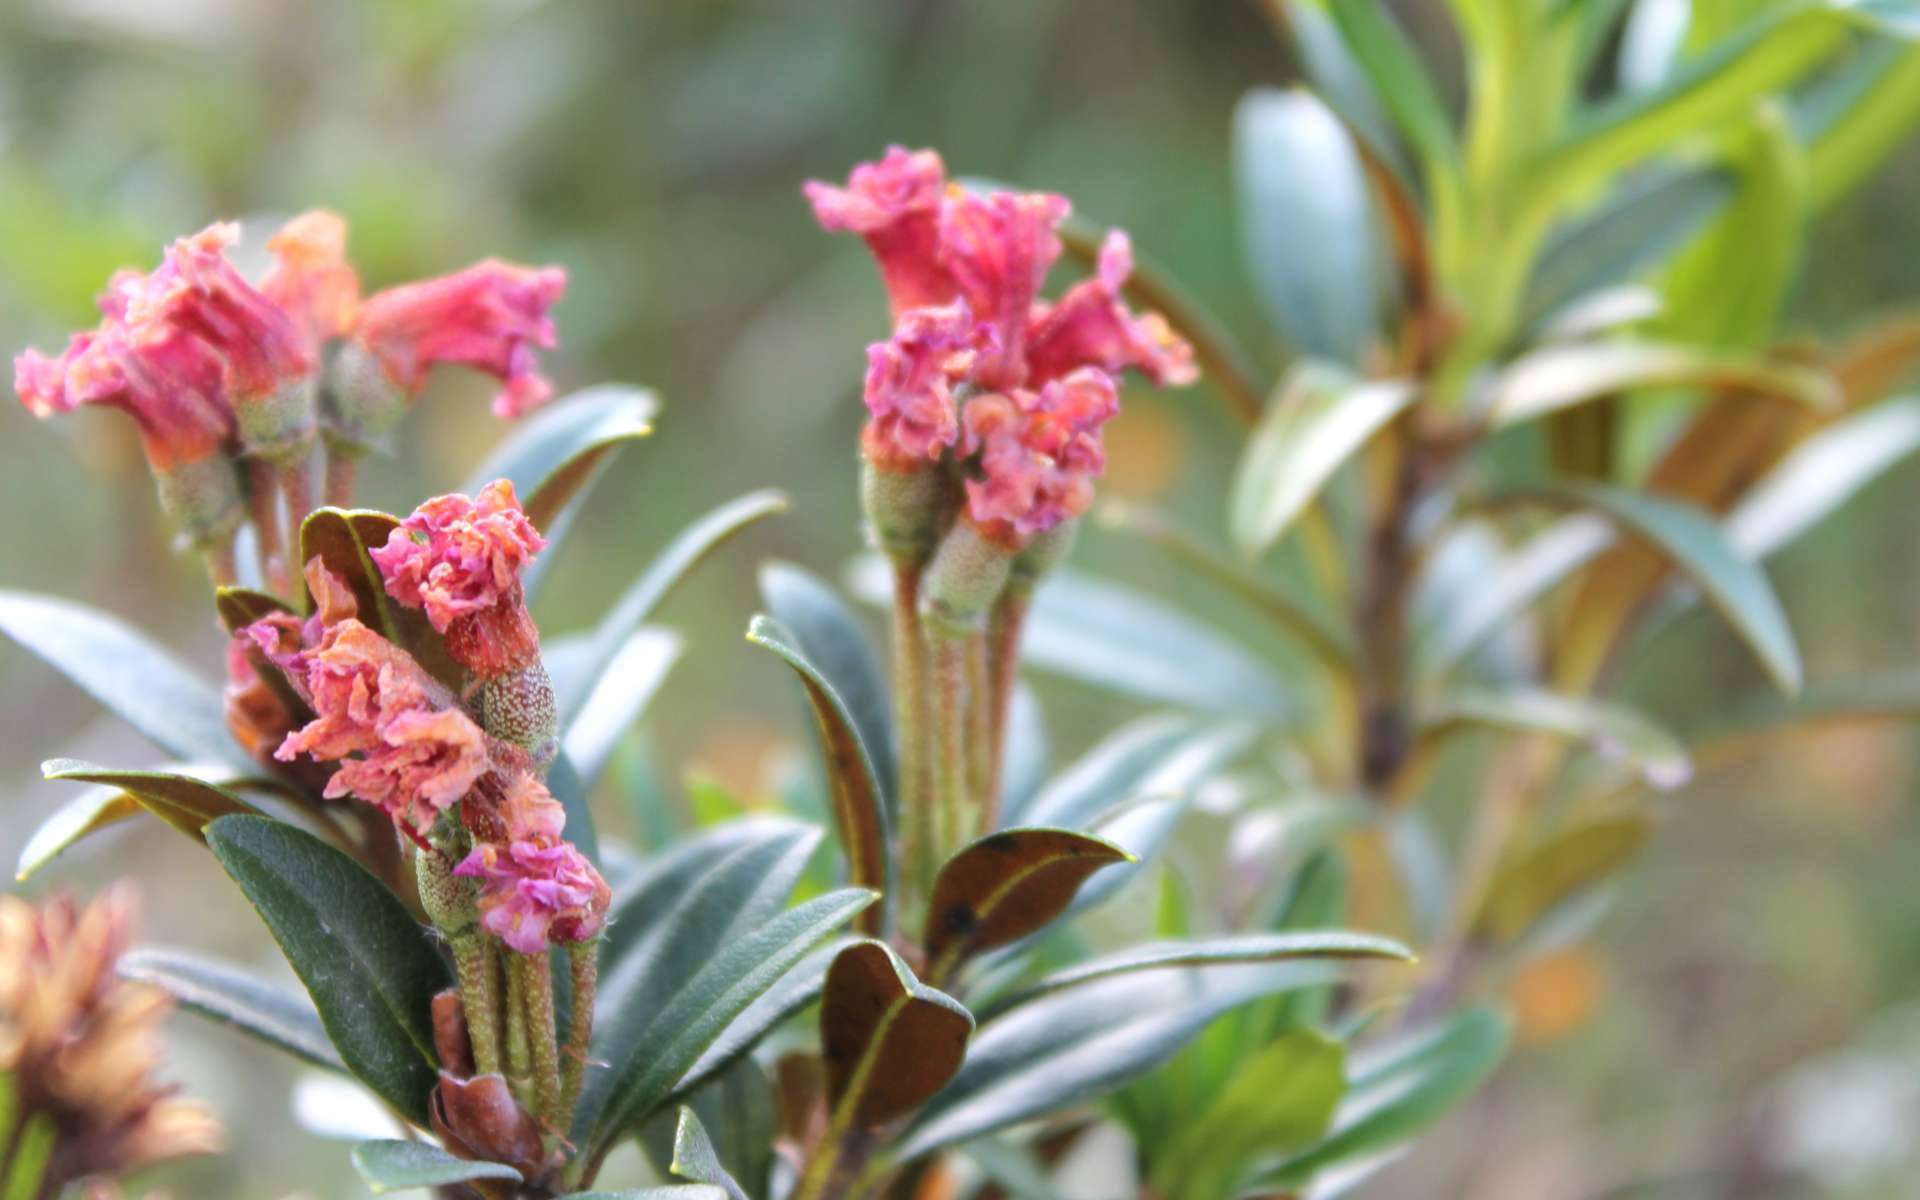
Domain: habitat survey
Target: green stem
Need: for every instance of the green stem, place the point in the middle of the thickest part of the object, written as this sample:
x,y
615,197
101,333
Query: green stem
x,y
478,970
979,731
584,960
297,485
1003,648
536,976
950,768
911,718
519,1053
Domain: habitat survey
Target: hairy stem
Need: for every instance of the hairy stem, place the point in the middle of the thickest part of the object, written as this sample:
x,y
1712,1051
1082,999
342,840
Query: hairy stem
x,y
1003,649
478,970
536,976
979,734
343,474
584,960
297,487
263,498
519,1056
911,719
950,717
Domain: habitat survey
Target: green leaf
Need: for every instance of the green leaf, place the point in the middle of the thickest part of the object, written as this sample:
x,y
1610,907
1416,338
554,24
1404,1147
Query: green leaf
x,y
859,805
1879,105
828,633
1399,78
1544,875
1612,731
341,539
88,813
798,989
629,681
1821,474
1526,574
183,801
695,1158
1277,1102
1114,770
1395,1091
1027,755
371,970
1231,950
1639,224
637,603
1698,546
1320,419
890,1042
1066,1049
396,1166
1306,222
226,993
1004,886
557,451
1337,76
736,973
666,879
736,1109
680,1191
1560,377
137,680
568,788
239,607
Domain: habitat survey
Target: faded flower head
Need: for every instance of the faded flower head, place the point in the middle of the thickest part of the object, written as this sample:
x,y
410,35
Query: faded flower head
x,y
1039,453
535,890
459,559
910,382
196,290
311,280
491,316
81,1045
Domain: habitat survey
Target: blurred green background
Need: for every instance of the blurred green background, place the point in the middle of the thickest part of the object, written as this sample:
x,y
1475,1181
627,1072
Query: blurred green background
x,y
1717,1020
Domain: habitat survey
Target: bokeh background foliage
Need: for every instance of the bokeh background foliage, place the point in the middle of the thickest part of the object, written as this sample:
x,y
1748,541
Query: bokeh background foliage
x,y
1749,992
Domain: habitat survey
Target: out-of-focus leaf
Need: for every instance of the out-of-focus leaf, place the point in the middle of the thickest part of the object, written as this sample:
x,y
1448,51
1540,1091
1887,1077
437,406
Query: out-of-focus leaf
x,y
627,684
1527,574
1003,887
372,972
1112,771
1540,878
1399,78
1337,76
695,1158
890,1042
88,813
1307,223
1651,42
225,993
1602,311
859,805
555,452
681,555
135,679
565,784
1610,730
1700,547
1559,377
676,1191
1821,474
1231,950
1875,104
1641,222
1320,419
1278,1101
826,630
239,607
1068,1048
397,1166
185,802
1027,752
736,973
1395,1091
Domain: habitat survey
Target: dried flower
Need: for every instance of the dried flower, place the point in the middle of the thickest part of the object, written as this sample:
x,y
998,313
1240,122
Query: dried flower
x,y
196,290
459,560
537,889
1039,453
257,715
80,1045
1091,326
310,279
490,316
910,382
895,205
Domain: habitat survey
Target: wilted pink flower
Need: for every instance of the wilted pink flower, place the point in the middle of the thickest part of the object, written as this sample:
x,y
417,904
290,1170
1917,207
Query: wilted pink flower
x,y
490,316
425,760
168,382
311,280
1091,326
285,640
895,205
196,290
910,381
460,561
533,890
1039,453
256,714
999,248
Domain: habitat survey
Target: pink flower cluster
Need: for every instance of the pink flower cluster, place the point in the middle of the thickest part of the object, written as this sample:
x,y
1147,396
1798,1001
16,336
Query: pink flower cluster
x,y
534,886
963,273
459,560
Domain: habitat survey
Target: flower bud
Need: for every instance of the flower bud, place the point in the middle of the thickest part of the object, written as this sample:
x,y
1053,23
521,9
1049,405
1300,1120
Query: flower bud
x,y
359,406
965,578
903,509
519,707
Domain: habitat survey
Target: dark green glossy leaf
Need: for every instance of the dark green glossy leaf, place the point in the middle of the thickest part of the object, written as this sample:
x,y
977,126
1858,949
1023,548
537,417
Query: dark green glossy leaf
x,y
185,802
637,603
1612,731
826,630
1560,377
890,1042
239,607
226,993
397,1166
859,805
695,1158
665,879
627,684
1306,222
797,990
1544,875
1277,1102
135,679
1003,887
1321,417
554,453
341,539
371,970
1395,1091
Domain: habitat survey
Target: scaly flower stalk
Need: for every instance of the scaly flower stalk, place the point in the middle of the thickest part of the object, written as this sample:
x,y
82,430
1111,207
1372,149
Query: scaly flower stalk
x,y
583,964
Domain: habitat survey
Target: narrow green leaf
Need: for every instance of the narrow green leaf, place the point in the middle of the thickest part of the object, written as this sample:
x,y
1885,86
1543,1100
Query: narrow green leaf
x,y
1612,731
798,989
27,1161
1560,377
1823,473
1875,117
1395,1091
736,1109
826,630
1525,575
665,879
1277,1102
95,809
1543,876
627,684
1700,547
1319,420
859,804
695,1158
678,1191
1003,887
397,1166
1231,950
1646,218
554,453
568,788
736,973
667,569
1113,771
1337,76
1399,78
226,993
1306,223
183,801
372,972
890,1042
132,677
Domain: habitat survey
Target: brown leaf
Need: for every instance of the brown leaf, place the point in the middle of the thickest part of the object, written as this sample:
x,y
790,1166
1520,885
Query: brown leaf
x,y
890,1042
1005,886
